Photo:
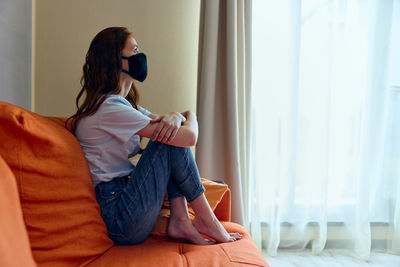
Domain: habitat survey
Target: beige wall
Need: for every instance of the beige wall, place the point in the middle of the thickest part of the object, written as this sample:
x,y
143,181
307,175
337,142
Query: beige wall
x,y
167,31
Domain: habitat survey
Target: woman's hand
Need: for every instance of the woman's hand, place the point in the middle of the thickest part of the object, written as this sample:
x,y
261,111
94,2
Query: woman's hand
x,y
184,130
168,127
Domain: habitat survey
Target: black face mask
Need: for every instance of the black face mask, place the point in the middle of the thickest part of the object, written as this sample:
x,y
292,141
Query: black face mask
x,y
137,66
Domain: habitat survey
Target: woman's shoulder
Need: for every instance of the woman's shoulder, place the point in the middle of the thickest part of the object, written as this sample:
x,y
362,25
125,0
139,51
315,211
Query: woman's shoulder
x,y
117,99
116,106
115,103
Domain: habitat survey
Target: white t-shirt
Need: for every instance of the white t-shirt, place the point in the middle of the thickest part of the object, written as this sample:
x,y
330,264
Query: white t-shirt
x,y
109,138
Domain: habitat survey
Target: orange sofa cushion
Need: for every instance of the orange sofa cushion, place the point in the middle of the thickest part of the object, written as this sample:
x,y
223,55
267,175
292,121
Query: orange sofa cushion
x,y
160,251
14,244
55,189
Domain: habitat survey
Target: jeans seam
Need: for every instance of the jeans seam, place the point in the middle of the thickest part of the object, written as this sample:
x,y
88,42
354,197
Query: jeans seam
x,y
140,186
199,187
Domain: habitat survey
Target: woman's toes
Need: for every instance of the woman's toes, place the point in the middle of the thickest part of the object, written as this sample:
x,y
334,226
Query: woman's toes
x,y
183,229
236,235
215,230
209,242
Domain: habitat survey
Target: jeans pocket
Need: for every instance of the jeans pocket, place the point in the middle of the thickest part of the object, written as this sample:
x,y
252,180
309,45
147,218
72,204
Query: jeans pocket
x,y
109,191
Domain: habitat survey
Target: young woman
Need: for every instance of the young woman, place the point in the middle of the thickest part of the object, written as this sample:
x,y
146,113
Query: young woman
x,y
108,124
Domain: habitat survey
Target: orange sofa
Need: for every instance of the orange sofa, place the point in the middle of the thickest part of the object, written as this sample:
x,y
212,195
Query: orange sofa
x,y
49,215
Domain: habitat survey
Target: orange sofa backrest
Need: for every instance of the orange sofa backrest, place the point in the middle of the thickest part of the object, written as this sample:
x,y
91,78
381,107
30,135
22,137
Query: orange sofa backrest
x,y
57,197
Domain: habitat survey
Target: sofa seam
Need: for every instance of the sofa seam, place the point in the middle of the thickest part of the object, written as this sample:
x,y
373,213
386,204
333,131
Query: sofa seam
x,y
20,178
238,260
183,255
96,257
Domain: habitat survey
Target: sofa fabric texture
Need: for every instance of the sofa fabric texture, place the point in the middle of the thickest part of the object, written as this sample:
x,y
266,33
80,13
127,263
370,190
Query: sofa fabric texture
x,y
57,198
50,216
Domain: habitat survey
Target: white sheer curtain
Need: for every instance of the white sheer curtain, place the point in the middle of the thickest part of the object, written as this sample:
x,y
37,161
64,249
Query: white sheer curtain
x,y
325,153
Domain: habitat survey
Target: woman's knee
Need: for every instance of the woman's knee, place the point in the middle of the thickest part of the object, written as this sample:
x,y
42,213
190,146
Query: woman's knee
x,y
159,144
154,146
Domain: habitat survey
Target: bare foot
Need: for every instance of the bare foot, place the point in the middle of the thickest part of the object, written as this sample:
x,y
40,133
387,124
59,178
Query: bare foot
x,y
183,229
214,229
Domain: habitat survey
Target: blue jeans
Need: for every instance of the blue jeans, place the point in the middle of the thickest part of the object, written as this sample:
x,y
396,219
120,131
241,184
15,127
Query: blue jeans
x,y
130,206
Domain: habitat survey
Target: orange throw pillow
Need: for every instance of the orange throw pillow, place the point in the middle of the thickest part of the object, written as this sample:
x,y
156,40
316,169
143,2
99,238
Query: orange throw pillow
x,y
55,189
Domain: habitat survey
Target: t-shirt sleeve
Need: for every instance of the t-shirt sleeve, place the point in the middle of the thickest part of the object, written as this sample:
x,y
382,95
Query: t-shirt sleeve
x,y
144,111
121,120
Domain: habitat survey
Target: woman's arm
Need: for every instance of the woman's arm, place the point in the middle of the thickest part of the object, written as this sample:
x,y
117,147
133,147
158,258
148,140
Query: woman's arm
x,y
154,116
160,129
168,126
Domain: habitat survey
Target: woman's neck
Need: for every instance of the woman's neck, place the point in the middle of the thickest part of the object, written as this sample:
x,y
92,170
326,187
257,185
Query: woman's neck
x,y
125,87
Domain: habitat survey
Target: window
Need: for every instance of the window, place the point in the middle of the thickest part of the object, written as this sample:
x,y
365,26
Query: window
x,y
326,101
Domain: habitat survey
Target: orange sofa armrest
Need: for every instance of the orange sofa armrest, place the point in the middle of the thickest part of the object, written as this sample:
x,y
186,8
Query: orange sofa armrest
x,y
15,249
219,197
223,208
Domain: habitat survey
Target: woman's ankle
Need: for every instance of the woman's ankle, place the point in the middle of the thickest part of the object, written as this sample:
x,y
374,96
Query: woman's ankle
x,y
179,211
202,209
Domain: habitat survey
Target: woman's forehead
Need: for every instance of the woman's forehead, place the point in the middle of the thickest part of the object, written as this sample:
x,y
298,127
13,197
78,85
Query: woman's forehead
x,y
131,42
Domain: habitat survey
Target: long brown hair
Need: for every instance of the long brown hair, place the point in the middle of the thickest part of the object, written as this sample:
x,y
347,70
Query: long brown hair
x,y
101,74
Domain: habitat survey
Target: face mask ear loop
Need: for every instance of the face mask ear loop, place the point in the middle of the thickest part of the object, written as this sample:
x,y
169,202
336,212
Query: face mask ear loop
x,y
123,57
